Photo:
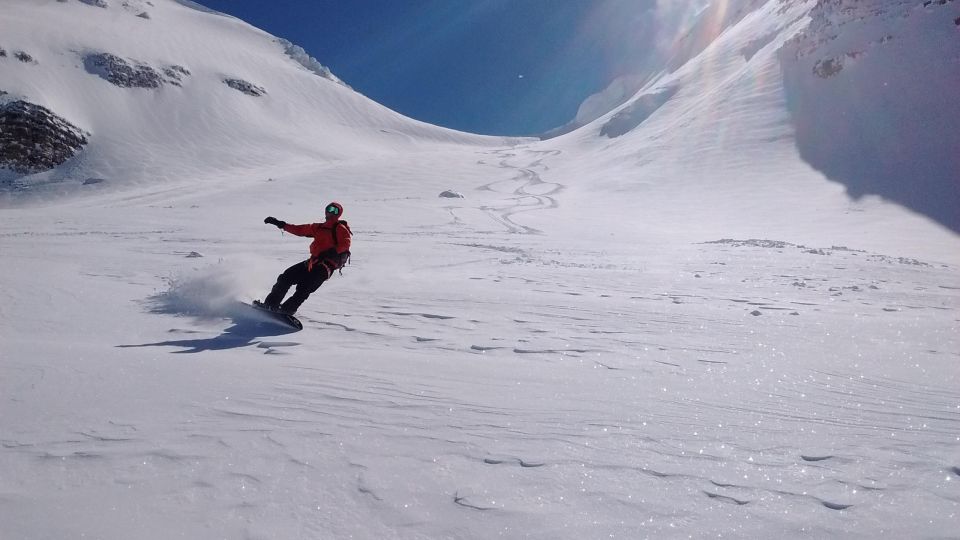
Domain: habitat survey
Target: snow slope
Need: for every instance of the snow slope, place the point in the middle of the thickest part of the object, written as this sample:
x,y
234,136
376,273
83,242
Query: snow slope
x,y
682,331
861,92
200,126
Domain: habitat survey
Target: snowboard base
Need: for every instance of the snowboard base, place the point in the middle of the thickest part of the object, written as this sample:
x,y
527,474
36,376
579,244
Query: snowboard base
x,y
280,316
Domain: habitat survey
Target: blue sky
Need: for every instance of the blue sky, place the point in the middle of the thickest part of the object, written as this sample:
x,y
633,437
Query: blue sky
x,y
504,67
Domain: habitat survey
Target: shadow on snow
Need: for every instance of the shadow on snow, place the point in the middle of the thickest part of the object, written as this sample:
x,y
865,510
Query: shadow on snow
x,y
871,123
247,325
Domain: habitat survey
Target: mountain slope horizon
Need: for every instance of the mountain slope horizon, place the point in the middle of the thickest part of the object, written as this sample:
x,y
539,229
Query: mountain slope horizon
x,y
191,80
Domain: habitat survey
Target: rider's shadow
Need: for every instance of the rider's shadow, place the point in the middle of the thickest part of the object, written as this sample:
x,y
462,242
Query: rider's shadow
x,y
247,329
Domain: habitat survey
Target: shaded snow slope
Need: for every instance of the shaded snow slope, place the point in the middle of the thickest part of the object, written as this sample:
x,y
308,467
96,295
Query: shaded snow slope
x,y
871,94
157,93
860,91
720,131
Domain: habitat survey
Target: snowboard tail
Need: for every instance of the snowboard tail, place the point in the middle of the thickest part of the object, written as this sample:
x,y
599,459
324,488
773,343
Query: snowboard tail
x,y
285,318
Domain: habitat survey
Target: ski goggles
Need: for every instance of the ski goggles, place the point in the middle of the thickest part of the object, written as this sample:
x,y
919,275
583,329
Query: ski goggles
x,y
333,210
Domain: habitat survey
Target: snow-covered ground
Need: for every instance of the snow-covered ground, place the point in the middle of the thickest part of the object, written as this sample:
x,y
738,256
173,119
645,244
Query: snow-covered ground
x,y
682,331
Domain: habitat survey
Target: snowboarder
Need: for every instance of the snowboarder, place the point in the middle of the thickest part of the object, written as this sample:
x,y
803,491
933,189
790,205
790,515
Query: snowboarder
x,y
329,251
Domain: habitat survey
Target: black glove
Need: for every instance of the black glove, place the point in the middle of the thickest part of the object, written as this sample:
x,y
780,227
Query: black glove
x,y
274,221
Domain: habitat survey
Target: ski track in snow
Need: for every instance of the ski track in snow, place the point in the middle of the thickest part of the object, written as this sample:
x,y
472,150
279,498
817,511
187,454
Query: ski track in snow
x,y
526,191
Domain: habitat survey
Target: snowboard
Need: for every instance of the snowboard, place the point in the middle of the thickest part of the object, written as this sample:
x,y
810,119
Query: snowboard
x,y
280,316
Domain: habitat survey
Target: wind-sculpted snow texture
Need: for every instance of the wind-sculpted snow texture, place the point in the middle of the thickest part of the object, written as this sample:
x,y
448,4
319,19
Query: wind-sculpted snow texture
x,y
683,331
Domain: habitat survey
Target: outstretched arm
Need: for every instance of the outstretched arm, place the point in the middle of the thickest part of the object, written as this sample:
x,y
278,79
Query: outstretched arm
x,y
300,230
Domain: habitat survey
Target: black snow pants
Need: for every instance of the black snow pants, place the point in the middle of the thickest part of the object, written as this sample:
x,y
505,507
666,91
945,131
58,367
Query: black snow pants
x,y
307,280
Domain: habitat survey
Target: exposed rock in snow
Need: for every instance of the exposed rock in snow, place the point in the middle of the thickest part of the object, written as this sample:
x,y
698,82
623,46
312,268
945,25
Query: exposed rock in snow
x,y
97,3
449,194
828,67
23,57
247,88
637,112
143,15
92,181
34,139
3,53
175,74
121,73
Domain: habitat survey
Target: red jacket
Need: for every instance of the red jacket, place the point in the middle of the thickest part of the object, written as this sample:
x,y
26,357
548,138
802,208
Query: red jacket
x,y
323,237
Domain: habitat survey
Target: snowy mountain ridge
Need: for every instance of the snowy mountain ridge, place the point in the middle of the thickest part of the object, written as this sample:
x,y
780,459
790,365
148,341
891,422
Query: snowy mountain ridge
x,y
876,75
154,81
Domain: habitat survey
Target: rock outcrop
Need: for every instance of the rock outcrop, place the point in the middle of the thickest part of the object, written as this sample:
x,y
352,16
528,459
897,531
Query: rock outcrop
x,y
34,139
247,88
121,73
132,74
175,74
